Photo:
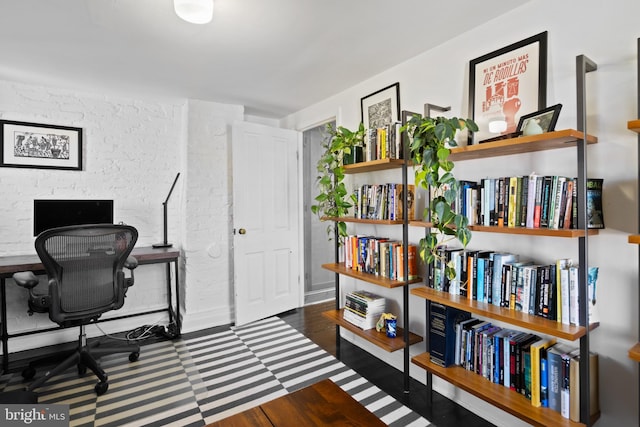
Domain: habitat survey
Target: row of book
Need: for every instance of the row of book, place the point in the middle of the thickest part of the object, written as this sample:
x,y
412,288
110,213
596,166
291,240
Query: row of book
x,y
532,201
380,256
363,309
384,142
384,201
545,372
503,279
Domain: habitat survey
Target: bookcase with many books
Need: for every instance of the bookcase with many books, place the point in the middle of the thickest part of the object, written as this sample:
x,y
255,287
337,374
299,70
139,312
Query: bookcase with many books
x,y
634,126
372,276
496,394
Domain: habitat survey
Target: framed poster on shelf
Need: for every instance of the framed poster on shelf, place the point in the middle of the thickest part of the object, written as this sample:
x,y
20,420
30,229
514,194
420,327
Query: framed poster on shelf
x,y
41,146
506,84
381,107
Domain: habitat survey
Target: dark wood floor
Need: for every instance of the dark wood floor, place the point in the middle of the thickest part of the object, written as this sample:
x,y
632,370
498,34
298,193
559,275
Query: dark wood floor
x,y
440,410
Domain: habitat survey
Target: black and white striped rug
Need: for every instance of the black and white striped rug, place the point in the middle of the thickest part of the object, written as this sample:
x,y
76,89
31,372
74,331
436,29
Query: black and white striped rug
x,y
193,382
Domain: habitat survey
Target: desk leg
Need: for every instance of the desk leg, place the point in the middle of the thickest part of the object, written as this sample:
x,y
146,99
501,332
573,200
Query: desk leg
x,y
174,315
3,319
178,320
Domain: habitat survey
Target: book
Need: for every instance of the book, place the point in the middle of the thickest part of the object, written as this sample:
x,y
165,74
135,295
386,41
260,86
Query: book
x,y
483,261
544,378
563,272
411,197
565,400
537,354
499,259
472,344
442,332
363,308
516,367
531,199
545,201
595,217
555,374
574,308
506,357
537,210
567,203
461,329
574,387
512,200
498,354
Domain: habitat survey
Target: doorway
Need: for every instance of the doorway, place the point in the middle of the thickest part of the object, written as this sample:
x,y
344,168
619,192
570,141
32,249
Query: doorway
x,y
318,249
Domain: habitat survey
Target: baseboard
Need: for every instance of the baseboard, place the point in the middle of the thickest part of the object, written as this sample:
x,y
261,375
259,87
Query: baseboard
x,y
192,322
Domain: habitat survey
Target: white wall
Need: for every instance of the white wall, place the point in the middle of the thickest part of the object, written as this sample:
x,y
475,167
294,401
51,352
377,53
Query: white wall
x,y
607,34
133,149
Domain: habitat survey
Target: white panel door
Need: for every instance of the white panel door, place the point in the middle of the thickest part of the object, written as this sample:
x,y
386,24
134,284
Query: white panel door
x,y
265,221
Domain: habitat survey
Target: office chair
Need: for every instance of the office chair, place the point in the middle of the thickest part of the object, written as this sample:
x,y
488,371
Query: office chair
x,y
84,265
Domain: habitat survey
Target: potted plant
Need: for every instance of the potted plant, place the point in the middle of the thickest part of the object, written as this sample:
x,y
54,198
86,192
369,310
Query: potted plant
x,y
430,142
334,200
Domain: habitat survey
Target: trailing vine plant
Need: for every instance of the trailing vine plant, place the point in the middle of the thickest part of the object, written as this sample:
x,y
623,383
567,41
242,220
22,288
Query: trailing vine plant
x,y
429,146
333,200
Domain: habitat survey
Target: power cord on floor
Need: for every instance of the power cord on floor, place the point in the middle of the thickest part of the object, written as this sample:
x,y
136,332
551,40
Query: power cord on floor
x,y
143,332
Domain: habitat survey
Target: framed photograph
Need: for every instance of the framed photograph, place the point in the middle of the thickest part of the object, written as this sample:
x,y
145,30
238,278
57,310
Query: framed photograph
x,y
505,83
41,146
545,120
381,108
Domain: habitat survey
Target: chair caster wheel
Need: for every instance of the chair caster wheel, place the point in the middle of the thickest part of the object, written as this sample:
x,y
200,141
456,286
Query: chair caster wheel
x,y
101,388
28,373
81,370
134,356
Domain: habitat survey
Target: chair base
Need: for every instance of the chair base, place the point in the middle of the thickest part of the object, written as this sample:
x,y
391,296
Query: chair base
x,y
84,356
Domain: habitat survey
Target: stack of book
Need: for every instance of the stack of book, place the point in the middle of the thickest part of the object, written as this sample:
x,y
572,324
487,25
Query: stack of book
x,y
363,309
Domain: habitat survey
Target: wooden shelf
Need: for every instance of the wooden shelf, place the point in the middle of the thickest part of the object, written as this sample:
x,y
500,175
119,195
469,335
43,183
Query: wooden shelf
x,y
549,232
513,317
634,238
370,278
524,144
634,125
378,338
634,352
571,233
502,397
362,221
374,165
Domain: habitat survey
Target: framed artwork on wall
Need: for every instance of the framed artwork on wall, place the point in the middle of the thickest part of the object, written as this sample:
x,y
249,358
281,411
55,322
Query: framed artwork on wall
x,y
381,107
41,146
506,84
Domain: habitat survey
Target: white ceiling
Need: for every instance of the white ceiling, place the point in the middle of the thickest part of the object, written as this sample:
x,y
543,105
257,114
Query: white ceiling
x,y
272,56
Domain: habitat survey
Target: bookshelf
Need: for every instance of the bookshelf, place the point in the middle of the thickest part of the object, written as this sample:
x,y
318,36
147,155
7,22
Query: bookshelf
x,y
404,338
498,395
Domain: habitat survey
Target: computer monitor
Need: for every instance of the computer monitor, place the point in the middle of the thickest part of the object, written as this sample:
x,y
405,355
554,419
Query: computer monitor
x,y
48,213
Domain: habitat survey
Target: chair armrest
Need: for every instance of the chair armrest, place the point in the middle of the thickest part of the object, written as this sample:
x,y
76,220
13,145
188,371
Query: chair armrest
x,y
131,262
26,279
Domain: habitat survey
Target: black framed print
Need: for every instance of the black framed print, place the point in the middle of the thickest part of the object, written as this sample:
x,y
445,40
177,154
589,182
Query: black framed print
x,y
506,83
40,146
381,107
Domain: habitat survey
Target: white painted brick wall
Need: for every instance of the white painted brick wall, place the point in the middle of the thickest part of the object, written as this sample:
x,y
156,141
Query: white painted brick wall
x,y
132,150
208,221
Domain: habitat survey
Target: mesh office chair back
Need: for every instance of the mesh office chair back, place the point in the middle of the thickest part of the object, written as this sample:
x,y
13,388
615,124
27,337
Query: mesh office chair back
x,y
84,265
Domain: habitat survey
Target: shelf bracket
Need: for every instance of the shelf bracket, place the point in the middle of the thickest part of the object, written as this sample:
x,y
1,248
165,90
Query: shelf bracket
x,y
428,107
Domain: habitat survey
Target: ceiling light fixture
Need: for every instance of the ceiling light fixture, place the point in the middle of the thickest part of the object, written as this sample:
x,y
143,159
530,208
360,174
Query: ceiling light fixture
x,y
194,11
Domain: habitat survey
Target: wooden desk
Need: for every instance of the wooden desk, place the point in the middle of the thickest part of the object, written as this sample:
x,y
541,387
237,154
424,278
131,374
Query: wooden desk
x,y
321,404
144,255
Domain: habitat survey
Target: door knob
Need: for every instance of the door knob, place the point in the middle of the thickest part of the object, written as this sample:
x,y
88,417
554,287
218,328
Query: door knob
x,y
242,231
